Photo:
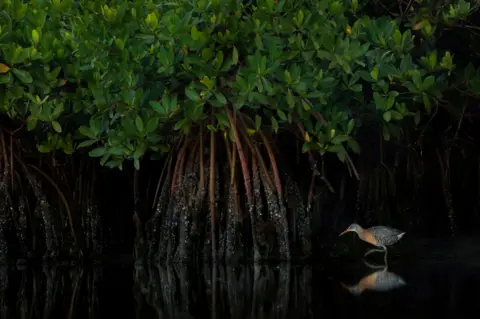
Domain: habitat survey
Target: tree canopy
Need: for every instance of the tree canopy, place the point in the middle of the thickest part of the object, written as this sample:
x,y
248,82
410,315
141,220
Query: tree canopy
x,y
127,78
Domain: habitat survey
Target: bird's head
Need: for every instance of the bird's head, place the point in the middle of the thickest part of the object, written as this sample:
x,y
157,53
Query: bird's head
x,y
354,290
353,227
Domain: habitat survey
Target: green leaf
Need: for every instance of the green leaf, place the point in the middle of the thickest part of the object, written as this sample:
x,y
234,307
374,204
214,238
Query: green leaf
x,y
306,106
339,139
334,148
57,127
258,42
401,107
221,98
157,107
86,131
447,61
97,152
281,114
389,103
86,143
385,133
306,147
374,73
35,37
235,56
417,79
173,101
379,101
432,60
356,87
260,98
139,124
341,154
165,101
180,124
44,148
396,115
428,82
23,76
290,100
192,94
274,124
152,124
417,117
194,33
104,159
300,17
5,78
426,102
258,122
350,126
222,119
387,116
114,163
117,151
31,123
354,146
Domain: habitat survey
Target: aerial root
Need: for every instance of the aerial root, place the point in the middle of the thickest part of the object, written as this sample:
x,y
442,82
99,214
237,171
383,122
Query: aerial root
x,y
186,222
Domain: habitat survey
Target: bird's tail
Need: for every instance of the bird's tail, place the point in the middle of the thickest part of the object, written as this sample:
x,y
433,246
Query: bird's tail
x,y
401,235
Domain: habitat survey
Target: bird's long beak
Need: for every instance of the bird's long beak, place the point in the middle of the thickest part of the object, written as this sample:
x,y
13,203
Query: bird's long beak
x,y
345,286
344,232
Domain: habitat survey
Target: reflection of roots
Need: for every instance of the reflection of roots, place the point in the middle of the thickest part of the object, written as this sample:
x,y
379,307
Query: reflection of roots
x,y
246,188
243,292
39,293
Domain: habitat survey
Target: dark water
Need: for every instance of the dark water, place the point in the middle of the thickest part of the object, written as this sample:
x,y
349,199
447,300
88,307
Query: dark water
x,y
423,289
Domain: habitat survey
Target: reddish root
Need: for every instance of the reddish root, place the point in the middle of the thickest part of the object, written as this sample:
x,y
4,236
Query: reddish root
x,y
212,191
255,151
243,161
177,172
273,161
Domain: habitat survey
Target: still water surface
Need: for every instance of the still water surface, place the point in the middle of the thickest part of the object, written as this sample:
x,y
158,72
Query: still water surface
x,y
420,290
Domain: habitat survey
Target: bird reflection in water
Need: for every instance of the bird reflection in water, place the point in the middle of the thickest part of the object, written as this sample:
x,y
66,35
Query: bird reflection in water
x,y
381,281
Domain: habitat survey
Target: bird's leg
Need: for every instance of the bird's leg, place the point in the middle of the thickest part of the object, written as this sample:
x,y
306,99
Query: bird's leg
x,y
372,251
386,253
369,265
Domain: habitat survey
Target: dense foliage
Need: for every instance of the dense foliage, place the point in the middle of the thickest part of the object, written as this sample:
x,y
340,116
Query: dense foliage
x,y
207,85
120,76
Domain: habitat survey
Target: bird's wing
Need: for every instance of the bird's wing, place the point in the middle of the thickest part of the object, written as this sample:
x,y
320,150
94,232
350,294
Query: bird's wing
x,y
383,229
